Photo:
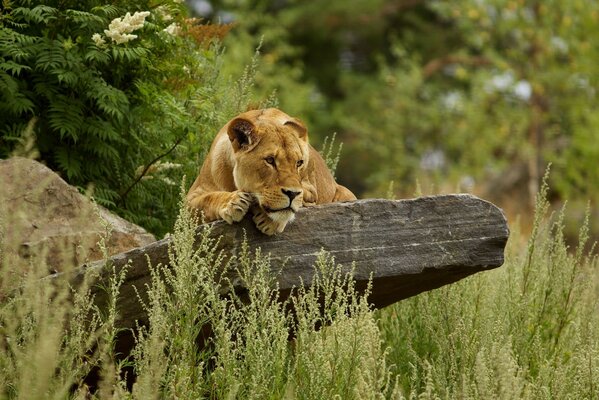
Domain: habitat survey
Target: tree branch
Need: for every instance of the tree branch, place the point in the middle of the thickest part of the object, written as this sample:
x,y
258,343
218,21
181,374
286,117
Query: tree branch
x,y
143,173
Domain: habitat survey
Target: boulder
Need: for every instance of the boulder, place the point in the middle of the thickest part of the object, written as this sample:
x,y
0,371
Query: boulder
x,y
41,214
406,246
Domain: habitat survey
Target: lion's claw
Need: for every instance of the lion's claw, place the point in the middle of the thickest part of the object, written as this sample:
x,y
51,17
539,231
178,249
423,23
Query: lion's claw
x,y
237,207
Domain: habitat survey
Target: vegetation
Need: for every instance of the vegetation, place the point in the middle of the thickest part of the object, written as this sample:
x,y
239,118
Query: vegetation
x,y
119,99
527,330
123,101
474,95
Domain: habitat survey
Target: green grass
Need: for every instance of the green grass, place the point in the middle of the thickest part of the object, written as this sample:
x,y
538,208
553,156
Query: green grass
x,y
529,329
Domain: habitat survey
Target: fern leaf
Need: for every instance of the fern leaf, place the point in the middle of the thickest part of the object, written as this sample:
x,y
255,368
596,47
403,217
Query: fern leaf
x,y
129,54
69,78
85,19
65,116
13,102
39,14
96,56
50,57
103,130
13,67
108,11
109,99
68,163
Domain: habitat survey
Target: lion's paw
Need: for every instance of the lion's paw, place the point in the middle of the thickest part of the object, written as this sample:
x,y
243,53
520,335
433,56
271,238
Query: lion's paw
x,y
237,207
266,225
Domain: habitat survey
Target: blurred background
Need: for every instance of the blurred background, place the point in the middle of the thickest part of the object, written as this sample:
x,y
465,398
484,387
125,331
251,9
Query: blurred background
x,y
426,97
433,96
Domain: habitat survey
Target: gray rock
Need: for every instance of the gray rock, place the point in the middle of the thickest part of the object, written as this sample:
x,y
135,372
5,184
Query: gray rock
x,y
41,214
408,246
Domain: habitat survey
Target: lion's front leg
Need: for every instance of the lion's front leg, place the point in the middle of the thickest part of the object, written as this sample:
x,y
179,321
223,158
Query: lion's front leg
x,y
228,206
236,207
310,194
265,224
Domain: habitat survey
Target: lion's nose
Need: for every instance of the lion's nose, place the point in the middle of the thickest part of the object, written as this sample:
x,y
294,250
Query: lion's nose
x,y
292,194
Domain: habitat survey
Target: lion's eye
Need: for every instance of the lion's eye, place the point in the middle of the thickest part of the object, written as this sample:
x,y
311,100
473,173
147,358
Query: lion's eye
x,y
300,163
270,160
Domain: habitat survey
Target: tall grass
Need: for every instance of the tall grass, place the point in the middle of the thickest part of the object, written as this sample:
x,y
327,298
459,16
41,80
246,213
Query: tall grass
x,y
248,353
52,335
203,340
529,329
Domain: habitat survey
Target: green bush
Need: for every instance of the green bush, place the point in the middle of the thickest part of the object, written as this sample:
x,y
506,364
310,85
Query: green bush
x,y
122,99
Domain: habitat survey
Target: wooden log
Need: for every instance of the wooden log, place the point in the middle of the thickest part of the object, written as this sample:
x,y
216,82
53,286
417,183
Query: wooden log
x,y
408,246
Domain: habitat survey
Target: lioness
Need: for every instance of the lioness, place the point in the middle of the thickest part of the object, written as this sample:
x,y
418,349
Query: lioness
x,y
261,161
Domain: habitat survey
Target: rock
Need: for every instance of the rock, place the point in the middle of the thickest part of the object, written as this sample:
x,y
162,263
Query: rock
x,y
409,246
41,214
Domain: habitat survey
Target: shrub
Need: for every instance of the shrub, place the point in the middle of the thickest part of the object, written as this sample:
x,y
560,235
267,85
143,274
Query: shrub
x,y
121,98
52,335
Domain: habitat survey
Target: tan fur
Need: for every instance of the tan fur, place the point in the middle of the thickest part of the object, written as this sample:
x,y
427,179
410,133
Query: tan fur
x,y
236,176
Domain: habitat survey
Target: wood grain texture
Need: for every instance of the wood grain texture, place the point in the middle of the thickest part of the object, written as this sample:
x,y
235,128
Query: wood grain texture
x,y
408,246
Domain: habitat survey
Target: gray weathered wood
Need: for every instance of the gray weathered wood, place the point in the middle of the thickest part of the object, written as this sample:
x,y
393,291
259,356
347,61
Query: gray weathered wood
x,y
409,246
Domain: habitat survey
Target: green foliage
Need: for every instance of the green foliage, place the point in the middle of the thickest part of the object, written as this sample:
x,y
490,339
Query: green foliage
x,y
331,157
279,71
103,110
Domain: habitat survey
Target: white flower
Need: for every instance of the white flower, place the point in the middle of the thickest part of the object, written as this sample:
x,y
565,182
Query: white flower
x,y
559,44
173,29
98,40
119,37
503,81
163,166
162,12
523,90
136,21
168,181
120,29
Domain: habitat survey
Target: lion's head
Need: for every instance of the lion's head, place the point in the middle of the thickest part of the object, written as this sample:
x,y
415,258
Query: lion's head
x,y
270,151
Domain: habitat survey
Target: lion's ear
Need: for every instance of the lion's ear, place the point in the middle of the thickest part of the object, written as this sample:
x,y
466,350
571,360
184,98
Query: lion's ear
x,y
299,127
242,134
